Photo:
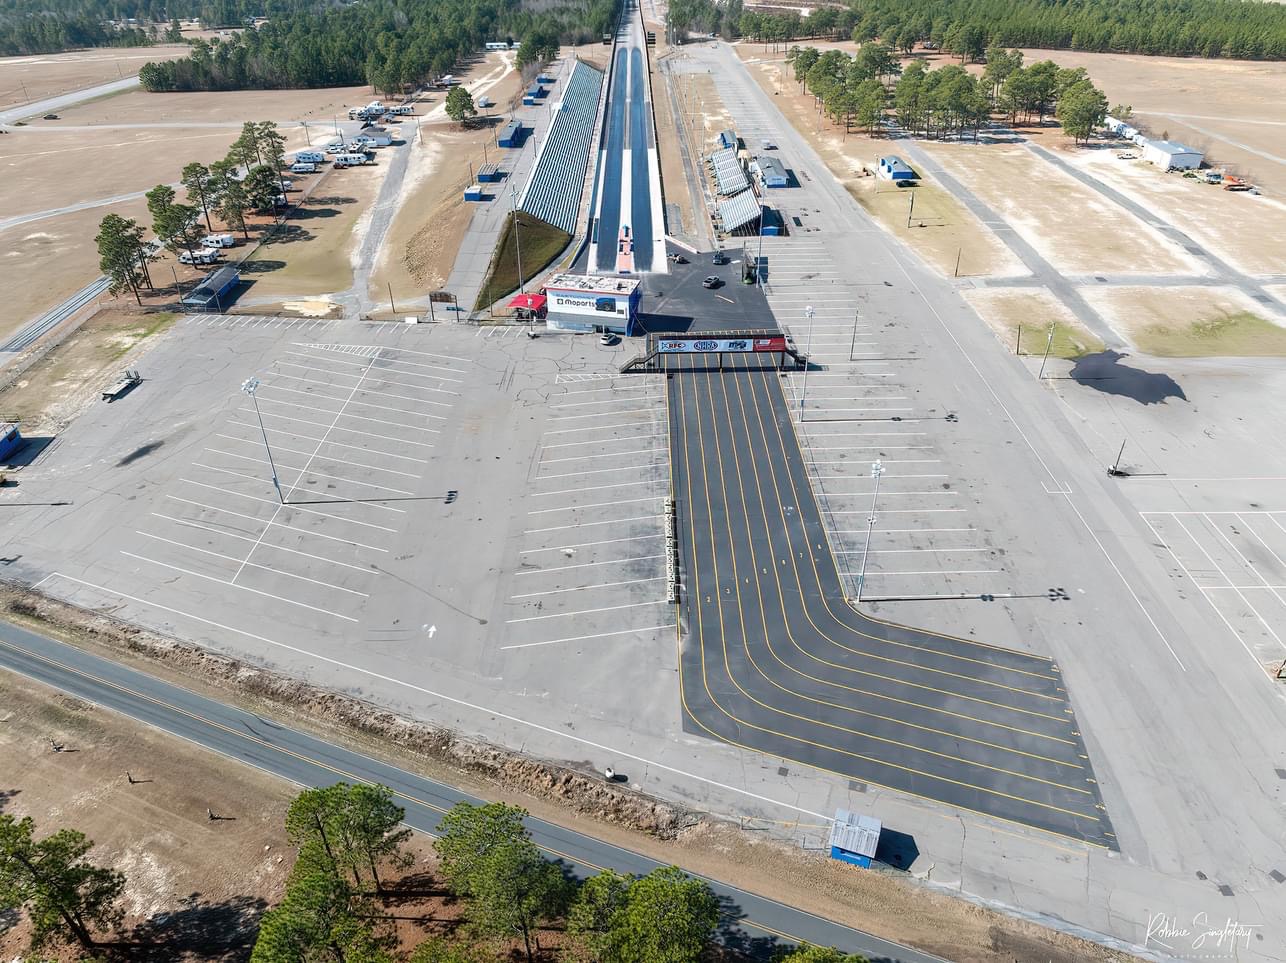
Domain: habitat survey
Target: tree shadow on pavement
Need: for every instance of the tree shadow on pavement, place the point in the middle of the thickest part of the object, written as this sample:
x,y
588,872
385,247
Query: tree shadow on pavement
x,y
736,939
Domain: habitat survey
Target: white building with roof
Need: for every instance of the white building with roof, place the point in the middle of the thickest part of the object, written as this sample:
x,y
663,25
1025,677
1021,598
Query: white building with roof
x,y
1169,155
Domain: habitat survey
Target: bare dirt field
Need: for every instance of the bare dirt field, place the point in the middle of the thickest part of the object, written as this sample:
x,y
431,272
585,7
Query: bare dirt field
x,y
319,107
1034,310
53,391
1077,230
212,878
1191,322
44,263
1247,231
1230,108
48,171
432,217
311,254
678,193
949,229
24,79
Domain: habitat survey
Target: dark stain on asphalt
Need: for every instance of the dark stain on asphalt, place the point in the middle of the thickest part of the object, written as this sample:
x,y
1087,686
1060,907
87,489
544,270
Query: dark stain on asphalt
x,y
1105,372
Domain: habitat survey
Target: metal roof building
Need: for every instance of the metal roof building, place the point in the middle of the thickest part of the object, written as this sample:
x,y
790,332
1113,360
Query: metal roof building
x,y
729,177
772,171
738,212
895,169
512,135
728,138
553,192
215,290
854,838
1169,155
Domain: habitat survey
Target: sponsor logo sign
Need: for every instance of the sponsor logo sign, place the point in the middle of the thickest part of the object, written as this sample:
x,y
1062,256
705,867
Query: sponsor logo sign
x,y
711,345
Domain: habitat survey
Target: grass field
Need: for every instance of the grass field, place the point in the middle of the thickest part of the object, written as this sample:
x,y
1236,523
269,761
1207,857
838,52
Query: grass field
x,y
1032,311
1191,322
539,242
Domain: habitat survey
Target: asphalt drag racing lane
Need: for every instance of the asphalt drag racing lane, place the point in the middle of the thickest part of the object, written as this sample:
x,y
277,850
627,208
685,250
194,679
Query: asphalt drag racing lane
x,y
776,661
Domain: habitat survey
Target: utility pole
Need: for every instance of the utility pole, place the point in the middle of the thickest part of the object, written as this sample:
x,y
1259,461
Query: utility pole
x,y
392,306
1048,344
808,361
910,210
877,469
250,386
513,204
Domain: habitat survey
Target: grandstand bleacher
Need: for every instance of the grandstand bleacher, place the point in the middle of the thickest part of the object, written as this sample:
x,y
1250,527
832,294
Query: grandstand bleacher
x,y
553,191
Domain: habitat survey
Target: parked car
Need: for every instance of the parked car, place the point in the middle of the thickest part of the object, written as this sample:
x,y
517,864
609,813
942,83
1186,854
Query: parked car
x,y
713,281
338,147
206,256
718,258
51,116
678,259
608,339
767,144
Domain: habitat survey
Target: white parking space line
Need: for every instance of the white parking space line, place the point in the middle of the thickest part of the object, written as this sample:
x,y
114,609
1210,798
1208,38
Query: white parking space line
x,y
296,451
293,508
603,521
357,401
910,551
281,548
606,541
368,391
641,423
586,588
564,615
248,564
312,494
357,364
277,524
597,471
578,508
586,404
601,441
338,444
582,638
282,466
596,488
608,454
568,568
359,431
244,588
346,374
633,386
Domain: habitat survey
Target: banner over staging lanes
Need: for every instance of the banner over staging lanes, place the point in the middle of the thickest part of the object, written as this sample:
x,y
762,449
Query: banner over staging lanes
x,y
703,345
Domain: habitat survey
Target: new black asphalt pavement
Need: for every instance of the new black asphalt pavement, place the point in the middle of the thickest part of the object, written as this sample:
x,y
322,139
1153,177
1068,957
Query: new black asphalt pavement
x,y
776,660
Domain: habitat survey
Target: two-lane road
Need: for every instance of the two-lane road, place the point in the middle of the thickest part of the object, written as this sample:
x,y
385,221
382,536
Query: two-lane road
x,y
308,761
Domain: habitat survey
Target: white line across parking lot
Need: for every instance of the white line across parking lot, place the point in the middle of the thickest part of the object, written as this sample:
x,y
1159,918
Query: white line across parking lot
x,y
582,638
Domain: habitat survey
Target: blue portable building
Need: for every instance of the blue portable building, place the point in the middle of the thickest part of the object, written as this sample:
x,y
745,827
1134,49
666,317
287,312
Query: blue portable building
x,y
854,838
473,192
896,170
512,135
10,440
489,173
215,290
728,138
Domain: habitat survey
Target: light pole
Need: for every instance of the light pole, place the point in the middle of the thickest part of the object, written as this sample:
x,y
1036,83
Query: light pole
x,y
877,469
513,206
852,345
759,257
808,360
1048,344
250,386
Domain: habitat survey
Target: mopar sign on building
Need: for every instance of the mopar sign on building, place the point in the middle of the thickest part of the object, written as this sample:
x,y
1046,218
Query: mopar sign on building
x,y
584,302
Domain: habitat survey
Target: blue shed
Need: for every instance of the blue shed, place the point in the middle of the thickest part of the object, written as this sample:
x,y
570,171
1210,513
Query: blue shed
x,y
215,290
895,169
728,138
544,79
473,192
854,838
772,171
489,173
512,135
10,440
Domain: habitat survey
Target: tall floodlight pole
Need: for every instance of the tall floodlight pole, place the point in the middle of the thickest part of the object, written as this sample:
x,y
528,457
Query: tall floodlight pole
x,y
877,469
852,344
763,203
513,206
808,360
1049,343
250,386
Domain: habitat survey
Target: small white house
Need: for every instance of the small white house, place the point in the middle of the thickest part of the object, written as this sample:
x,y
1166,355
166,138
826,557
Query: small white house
x,y
1168,155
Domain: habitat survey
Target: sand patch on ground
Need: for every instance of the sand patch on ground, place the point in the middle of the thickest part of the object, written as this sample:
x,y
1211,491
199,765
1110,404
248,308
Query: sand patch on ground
x,y
946,229
1245,230
1074,228
1034,310
320,107
1191,322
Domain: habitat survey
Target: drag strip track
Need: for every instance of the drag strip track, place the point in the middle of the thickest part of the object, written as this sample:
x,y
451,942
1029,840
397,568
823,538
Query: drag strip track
x,y
774,658
609,214
641,199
